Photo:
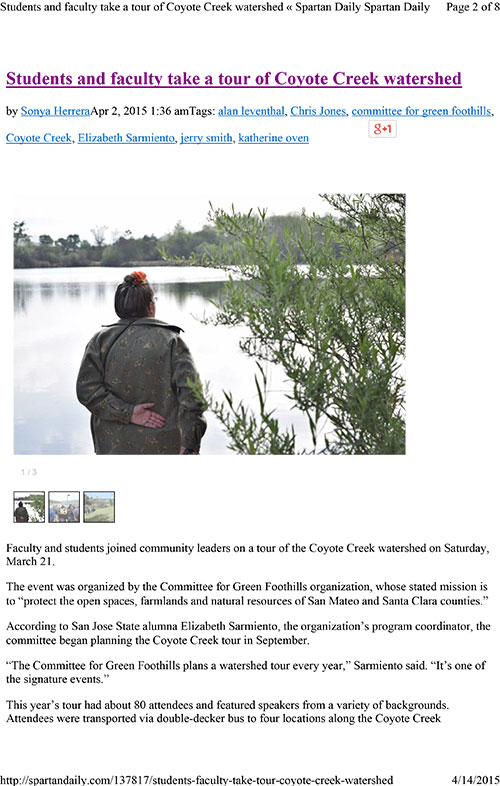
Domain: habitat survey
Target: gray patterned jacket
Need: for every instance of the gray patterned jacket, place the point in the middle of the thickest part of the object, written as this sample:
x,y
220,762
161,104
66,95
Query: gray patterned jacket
x,y
134,362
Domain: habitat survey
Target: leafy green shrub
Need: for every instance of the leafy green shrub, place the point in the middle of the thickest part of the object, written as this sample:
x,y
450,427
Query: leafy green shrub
x,y
328,307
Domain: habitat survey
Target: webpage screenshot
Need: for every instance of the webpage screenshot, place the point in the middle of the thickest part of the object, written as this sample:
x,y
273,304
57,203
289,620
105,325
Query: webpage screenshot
x,y
250,527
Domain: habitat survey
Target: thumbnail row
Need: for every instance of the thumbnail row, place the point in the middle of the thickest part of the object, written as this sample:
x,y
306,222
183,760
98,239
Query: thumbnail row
x,y
64,507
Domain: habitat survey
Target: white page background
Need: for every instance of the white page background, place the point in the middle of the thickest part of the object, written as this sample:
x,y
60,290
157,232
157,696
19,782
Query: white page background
x,y
442,491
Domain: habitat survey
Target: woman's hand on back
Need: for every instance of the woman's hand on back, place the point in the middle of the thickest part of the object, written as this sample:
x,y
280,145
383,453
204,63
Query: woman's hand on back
x,y
142,415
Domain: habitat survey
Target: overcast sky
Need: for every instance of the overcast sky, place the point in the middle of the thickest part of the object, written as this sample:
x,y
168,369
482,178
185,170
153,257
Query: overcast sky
x,y
62,217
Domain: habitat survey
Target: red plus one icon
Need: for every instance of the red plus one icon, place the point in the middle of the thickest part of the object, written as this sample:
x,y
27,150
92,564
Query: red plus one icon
x,y
381,130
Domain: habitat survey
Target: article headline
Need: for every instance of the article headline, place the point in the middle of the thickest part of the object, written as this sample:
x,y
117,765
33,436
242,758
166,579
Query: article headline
x,y
281,79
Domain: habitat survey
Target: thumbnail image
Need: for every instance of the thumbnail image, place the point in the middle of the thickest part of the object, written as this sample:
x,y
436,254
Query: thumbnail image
x,y
99,507
29,506
64,507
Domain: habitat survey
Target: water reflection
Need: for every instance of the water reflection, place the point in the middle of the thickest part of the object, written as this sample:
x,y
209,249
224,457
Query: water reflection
x,y
22,295
182,293
179,293
101,291
47,291
74,290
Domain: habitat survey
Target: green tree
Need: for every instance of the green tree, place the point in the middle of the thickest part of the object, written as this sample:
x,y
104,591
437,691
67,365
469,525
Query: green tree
x,y
327,305
112,256
37,502
20,234
73,242
178,244
69,243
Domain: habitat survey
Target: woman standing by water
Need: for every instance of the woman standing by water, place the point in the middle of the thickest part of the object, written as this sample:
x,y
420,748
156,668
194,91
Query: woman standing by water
x,y
130,367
